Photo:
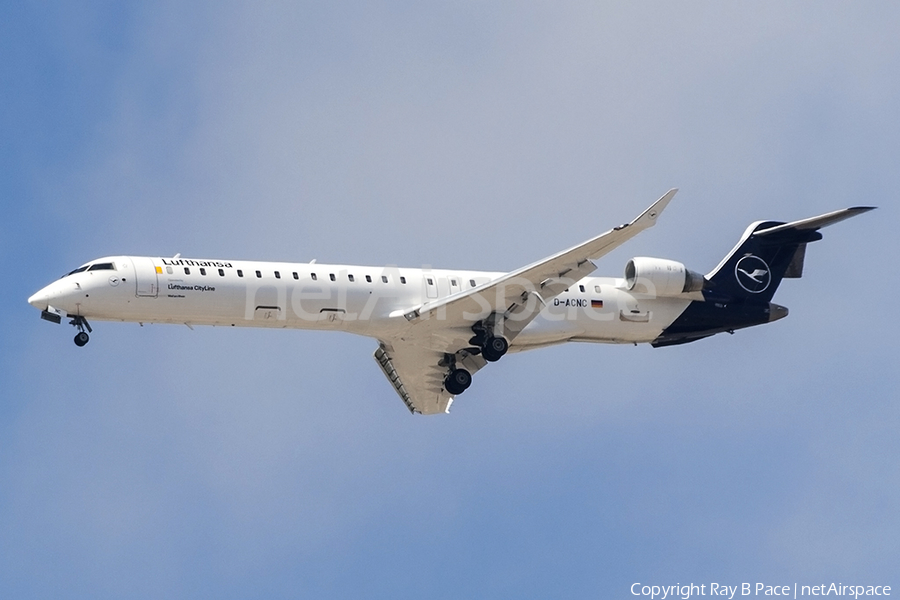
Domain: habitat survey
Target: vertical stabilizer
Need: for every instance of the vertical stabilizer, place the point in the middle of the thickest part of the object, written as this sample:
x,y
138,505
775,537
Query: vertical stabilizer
x,y
768,252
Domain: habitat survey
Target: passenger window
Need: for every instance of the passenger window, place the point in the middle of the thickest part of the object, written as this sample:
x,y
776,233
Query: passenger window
x,y
452,282
202,271
384,278
259,274
581,287
277,275
313,275
430,281
240,273
187,271
597,288
331,276
221,272
369,278
403,280
350,277
472,282
169,270
295,275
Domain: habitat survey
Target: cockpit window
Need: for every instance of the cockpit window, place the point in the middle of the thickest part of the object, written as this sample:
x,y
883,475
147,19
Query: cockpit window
x,y
93,267
78,270
102,267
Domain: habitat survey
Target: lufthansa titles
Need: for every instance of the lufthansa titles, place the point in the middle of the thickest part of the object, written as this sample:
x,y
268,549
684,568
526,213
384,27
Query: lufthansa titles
x,y
194,288
187,262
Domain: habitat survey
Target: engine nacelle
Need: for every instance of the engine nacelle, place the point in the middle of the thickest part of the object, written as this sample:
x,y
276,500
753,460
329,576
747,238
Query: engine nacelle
x,y
661,277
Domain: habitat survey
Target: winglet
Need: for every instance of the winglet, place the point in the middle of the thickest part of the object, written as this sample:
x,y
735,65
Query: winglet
x,y
648,217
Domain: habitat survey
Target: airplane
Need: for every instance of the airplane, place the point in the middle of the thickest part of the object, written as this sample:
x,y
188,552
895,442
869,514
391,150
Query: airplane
x,y
436,328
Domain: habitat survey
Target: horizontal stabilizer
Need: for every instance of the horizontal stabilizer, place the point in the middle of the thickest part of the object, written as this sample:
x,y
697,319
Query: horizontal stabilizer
x,y
816,222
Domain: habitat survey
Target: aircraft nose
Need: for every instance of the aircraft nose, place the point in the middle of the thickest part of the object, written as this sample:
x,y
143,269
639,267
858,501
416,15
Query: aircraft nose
x,y
41,298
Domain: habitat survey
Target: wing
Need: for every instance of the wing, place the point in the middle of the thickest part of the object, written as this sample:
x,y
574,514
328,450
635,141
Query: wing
x,y
433,337
418,375
516,298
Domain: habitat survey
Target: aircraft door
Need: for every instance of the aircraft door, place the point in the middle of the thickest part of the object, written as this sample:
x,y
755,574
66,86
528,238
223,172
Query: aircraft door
x,y
145,276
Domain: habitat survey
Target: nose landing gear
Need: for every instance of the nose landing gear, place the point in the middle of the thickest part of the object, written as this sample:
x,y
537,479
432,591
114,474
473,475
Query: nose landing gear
x,y
82,337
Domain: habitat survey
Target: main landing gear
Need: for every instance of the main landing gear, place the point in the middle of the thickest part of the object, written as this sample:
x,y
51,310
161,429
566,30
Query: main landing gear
x,y
494,348
82,337
457,381
491,347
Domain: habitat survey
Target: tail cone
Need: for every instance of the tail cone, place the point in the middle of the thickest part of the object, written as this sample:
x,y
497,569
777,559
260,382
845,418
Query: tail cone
x,y
776,311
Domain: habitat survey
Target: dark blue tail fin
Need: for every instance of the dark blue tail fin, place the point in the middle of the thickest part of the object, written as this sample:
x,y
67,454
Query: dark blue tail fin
x,y
768,252
756,266
738,293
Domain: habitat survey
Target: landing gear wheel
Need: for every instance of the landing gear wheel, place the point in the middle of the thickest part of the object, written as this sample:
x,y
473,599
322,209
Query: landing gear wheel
x,y
458,381
82,337
494,348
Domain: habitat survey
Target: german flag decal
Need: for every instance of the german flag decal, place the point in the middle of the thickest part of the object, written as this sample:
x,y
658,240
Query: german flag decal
x,y
596,303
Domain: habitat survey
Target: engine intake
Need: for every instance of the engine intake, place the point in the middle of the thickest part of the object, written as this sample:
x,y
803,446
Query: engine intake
x,y
661,277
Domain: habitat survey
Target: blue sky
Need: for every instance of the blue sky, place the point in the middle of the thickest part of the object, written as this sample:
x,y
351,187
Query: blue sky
x,y
164,462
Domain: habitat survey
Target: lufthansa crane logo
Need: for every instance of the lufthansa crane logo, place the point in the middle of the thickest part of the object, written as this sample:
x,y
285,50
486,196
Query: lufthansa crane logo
x,y
753,274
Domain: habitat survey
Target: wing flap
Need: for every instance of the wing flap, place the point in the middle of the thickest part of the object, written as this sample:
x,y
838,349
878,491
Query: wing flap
x,y
417,375
387,367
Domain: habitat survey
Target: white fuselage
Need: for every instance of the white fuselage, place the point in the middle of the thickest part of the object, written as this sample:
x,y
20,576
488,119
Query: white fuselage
x,y
363,300
436,328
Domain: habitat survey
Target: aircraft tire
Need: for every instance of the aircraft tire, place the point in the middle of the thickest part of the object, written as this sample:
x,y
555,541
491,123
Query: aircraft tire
x,y
458,381
494,349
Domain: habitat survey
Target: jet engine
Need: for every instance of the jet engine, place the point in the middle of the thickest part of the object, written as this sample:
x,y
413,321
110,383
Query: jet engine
x,y
661,277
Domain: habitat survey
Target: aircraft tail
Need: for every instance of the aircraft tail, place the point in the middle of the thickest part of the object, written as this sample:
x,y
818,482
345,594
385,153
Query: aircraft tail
x,y
768,252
